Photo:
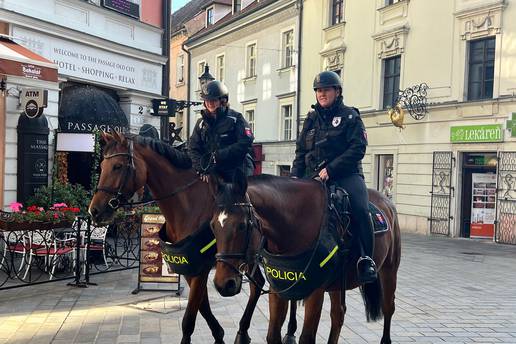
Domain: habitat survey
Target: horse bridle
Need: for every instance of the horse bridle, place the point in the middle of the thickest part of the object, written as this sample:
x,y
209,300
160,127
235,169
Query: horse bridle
x,y
251,223
119,196
118,200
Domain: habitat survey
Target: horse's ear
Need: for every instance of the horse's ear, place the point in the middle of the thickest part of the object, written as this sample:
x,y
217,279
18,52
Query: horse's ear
x,y
240,183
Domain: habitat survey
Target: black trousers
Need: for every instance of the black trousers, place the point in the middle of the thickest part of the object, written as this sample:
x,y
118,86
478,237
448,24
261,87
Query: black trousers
x,y
360,222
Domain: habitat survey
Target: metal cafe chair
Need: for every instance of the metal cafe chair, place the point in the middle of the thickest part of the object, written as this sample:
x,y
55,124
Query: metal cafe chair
x,y
97,240
15,243
44,243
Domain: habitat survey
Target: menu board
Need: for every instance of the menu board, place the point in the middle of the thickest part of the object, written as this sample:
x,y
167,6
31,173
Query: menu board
x,y
483,202
152,266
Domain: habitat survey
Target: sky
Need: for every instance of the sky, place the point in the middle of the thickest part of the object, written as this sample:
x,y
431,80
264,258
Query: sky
x,y
177,4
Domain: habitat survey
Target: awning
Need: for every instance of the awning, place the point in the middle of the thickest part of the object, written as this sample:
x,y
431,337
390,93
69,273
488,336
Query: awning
x,y
85,108
19,61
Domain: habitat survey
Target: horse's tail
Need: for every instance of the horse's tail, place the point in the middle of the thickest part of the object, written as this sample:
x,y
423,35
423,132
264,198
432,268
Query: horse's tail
x,y
372,295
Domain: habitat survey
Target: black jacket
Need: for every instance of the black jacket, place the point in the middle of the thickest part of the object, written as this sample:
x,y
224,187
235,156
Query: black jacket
x,y
334,138
228,136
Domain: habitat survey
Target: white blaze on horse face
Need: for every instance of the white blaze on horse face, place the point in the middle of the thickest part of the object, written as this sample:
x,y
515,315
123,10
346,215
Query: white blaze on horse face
x,y
222,217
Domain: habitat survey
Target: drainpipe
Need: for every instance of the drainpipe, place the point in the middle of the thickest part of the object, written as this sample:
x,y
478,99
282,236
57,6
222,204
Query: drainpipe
x,y
299,37
189,59
165,87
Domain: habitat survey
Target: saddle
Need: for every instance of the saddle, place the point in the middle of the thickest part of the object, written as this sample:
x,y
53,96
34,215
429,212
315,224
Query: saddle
x,y
340,208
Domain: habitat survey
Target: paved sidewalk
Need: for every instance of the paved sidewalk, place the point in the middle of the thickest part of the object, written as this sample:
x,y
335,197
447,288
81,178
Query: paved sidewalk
x,y
449,291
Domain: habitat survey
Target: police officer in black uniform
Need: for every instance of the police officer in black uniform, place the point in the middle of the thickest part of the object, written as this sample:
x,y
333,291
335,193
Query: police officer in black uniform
x,y
332,143
221,139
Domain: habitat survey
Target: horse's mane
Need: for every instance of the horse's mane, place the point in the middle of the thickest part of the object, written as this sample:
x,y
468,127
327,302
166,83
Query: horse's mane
x,y
176,157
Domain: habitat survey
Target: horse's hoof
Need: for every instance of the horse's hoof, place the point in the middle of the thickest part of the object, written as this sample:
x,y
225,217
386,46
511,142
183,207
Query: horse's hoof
x,y
242,338
221,342
186,341
385,341
289,339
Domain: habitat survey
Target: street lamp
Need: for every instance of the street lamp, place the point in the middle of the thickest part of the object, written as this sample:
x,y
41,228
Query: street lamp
x,y
205,78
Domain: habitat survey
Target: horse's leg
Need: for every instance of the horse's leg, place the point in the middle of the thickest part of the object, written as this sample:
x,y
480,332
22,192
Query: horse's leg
x,y
277,314
388,278
245,322
313,308
195,299
216,330
290,337
338,309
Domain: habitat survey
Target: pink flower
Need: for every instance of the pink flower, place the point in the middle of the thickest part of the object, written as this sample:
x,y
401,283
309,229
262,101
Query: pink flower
x,y
59,205
56,216
16,206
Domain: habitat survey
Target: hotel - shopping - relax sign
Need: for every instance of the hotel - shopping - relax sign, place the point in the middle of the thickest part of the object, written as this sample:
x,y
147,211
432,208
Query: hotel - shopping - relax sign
x,y
90,63
476,133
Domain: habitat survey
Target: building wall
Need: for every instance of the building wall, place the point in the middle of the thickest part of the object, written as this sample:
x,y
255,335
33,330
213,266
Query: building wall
x,y
272,85
179,89
438,57
91,45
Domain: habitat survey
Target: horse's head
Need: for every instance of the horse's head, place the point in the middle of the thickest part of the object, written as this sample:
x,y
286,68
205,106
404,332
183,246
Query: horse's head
x,y
232,225
120,177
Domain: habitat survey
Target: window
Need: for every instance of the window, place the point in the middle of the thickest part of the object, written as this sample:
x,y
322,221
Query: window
x,y
220,68
286,119
481,69
288,48
336,11
249,117
237,6
385,181
209,16
200,70
284,170
391,80
180,68
251,60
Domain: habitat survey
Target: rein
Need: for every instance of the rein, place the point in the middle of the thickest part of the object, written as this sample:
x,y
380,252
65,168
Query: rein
x,y
119,199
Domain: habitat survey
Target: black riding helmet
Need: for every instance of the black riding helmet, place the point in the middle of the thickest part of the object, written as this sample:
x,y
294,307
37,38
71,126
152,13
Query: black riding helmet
x,y
327,79
215,90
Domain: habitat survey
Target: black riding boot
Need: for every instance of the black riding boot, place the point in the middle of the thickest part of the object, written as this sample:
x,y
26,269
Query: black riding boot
x,y
366,268
361,227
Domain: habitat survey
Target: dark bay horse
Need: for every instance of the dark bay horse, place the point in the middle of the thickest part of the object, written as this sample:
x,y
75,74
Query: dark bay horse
x,y
130,163
291,214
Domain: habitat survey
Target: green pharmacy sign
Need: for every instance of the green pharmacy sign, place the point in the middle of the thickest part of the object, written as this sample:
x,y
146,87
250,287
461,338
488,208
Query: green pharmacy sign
x,y
476,133
511,125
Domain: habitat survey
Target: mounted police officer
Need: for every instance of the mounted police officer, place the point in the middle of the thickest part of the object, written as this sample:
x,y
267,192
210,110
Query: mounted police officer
x,y
222,139
332,143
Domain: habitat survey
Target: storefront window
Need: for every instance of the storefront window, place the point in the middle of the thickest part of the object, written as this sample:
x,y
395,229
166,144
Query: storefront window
x,y
385,182
284,170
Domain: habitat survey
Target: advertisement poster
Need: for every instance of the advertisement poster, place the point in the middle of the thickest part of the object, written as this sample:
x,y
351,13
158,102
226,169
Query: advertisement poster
x,y
483,212
152,266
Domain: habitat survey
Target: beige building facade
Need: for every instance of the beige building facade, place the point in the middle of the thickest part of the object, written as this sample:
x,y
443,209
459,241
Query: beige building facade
x,y
451,172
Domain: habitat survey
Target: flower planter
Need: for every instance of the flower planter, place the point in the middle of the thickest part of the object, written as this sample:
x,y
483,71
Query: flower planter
x,y
9,223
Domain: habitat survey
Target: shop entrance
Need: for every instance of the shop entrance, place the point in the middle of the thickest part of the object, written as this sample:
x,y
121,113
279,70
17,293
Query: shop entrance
x,y
478,211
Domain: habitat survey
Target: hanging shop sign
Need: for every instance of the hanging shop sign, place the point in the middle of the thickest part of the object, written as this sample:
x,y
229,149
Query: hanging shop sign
x,y
123,6
483,201
89,63
33,101
164,107
476,133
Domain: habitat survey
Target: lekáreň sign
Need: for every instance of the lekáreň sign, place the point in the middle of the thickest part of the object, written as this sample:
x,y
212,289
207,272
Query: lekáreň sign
x,y
476,133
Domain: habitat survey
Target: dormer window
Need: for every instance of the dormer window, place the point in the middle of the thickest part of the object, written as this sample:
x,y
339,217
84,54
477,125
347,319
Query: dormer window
x,y
237,6
209,16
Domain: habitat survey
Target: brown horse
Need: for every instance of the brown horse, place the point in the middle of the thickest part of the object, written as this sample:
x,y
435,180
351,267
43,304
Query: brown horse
x,y
130,163
291,213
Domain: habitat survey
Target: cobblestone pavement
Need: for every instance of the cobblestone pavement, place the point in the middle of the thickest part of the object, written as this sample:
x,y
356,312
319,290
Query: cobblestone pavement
x,y
449,291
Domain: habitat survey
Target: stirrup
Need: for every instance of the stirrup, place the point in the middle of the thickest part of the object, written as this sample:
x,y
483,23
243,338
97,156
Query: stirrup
x,y
366,258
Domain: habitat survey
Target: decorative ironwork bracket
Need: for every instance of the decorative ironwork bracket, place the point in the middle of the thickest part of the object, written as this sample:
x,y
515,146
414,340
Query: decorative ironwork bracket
x,y
414,100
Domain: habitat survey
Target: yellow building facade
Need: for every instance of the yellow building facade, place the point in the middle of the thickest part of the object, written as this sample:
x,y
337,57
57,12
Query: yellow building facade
x,y
453,172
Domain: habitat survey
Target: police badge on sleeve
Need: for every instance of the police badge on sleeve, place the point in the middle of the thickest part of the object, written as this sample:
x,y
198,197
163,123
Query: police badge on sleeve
x,y
336,121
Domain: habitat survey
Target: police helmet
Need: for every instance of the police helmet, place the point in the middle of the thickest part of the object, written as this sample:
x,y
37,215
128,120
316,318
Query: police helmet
x,y
327,79
215,90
